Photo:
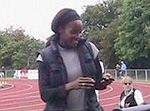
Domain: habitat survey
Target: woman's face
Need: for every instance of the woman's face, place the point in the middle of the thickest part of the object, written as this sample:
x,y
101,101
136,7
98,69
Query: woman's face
x,y
127,85
71,34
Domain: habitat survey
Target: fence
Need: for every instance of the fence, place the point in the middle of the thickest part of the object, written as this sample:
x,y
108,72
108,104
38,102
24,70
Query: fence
x,y
20,74
8,73
136,74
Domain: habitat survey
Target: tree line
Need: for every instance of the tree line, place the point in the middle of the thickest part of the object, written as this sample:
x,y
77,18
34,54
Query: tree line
x,y
119,28
18,50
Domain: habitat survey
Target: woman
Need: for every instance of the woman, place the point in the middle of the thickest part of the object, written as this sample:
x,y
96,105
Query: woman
x,y
130,96
69,71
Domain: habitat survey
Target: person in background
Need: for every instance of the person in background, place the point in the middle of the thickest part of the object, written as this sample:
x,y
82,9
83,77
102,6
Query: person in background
x,y
123,69
4,72
130,96
118,70
69,68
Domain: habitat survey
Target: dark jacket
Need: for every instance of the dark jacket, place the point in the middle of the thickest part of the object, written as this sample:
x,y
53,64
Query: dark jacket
x,y
130,99
53,77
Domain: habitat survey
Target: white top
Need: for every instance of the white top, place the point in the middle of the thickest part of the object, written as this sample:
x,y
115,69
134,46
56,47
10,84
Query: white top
x,y
102,66
137,96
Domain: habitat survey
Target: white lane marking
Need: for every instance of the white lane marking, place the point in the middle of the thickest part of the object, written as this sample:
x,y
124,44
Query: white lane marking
x,y
21,107
30,97
36,110
110,104
105,92
146,96
30,87
114,97
111,89
11,86
14,103
16,95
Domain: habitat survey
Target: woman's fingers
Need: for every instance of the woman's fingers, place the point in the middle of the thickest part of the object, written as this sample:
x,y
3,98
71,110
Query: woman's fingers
x,y
87,84
81,83
108,76
86,81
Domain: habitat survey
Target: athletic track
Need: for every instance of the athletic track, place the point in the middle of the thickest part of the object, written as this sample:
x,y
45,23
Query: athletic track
x,y
23,95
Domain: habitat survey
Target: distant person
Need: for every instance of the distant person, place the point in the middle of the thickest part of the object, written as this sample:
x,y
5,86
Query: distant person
x,y
118,69
123,68
1,74
130,96
4,72
69,68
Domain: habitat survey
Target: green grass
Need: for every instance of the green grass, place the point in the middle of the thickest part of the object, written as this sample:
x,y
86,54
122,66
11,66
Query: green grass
x,y
143,81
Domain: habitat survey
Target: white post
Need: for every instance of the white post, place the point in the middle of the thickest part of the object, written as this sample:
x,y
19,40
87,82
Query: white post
x,y
146,75
136,74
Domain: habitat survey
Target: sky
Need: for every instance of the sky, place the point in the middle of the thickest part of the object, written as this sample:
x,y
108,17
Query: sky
x,y
35,16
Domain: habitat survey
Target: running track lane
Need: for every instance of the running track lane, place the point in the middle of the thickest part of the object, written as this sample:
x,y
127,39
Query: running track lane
x,y
24,96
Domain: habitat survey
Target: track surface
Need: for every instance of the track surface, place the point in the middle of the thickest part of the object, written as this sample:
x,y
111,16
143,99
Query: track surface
x,y
23,95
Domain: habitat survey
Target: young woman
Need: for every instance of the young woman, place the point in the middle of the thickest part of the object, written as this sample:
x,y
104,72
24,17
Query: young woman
x,y
130,96
69,69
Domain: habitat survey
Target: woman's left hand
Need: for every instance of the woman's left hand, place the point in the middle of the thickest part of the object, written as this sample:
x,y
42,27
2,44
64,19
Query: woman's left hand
x,y
107,79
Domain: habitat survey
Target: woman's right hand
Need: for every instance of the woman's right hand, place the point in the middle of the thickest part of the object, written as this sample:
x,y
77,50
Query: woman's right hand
x,y
80,83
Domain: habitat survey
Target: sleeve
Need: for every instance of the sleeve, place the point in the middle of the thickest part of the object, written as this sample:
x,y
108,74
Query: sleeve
x,y
95,54
39,58
98,85
102,66
95,50
47,92
138,97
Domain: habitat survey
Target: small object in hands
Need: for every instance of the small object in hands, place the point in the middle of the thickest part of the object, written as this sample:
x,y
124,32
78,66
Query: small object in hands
x,y
107,79
110,79
83,84
108,76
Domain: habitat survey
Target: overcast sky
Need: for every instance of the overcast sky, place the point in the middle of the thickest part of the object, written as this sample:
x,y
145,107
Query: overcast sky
x,y
35,16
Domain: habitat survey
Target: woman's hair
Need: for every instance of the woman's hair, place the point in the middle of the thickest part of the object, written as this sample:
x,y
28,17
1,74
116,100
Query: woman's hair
x,y
64,17
126,78
49,39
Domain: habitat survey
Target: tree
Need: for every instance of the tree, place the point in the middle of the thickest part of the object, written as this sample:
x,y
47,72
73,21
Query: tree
x,y
132,45
17,49
100,25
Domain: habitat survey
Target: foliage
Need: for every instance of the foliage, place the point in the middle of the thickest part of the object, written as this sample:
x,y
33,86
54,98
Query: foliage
x,y
121,28
132,45
17,49
100,25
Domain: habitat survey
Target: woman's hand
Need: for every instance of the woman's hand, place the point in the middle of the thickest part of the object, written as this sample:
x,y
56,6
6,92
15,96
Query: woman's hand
x,y
80,83
107,79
